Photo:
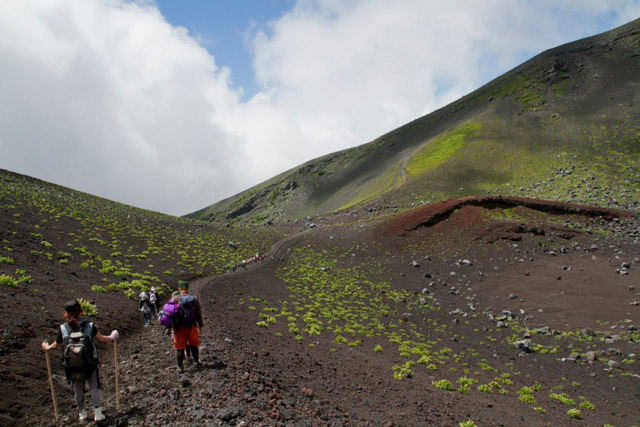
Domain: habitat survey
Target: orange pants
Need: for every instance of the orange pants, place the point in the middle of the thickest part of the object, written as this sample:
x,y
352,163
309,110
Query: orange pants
x,y
185,336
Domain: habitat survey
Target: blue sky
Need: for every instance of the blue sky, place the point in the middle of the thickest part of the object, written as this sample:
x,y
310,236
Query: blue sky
x,y
223,26
174,105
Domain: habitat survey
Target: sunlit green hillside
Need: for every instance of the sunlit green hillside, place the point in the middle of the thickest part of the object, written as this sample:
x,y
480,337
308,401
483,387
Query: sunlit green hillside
x,y
564,125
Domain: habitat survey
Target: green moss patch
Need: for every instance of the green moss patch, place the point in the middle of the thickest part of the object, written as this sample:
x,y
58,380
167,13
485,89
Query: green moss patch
x,y
439,150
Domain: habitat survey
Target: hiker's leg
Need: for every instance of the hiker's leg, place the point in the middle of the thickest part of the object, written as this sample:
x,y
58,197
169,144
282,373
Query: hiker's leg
x,y
78,393
194,354
193,341
180,358
179,344
93,388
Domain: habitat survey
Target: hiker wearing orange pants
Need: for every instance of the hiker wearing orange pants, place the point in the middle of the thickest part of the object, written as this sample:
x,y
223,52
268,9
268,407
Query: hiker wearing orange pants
x,y
187,323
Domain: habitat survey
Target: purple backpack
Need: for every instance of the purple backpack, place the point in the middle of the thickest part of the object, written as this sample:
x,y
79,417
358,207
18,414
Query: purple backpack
x,y
168,312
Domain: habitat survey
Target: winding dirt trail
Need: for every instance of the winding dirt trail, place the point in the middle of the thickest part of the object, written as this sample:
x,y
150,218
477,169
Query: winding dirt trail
x,y
269,257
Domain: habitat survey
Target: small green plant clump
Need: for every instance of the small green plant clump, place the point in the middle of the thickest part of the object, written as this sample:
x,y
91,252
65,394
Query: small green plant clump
x,y
6,260
6,280
88,308
443,385
585,404
562,398
465,383
574,413
525,394
23,277
400,372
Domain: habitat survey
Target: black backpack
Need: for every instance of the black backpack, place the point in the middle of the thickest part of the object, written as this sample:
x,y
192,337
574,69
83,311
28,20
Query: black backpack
x,y
78,354
187,311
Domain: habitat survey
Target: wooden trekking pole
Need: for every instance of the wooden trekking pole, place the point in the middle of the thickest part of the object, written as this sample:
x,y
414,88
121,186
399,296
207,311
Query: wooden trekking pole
x,y
53,393
115,364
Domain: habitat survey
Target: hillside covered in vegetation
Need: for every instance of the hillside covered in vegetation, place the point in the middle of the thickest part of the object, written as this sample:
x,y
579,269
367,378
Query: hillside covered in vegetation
x,y
477,266
564,125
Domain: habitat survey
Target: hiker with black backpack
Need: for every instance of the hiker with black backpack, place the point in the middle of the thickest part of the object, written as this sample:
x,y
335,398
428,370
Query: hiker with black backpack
x,y
80,357
186,325
154,299
145,308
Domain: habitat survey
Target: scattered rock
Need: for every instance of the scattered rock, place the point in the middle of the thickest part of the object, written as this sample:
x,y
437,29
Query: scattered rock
x,y
523,345
229,413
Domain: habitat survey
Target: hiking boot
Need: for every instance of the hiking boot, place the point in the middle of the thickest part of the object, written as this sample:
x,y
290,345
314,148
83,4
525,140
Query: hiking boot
x,y
198,364
83,415
181,367
98,415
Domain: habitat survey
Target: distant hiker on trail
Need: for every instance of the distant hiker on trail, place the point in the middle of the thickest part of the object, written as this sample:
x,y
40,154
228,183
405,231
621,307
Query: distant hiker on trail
x,y
189,319
79,355
154,299
145,308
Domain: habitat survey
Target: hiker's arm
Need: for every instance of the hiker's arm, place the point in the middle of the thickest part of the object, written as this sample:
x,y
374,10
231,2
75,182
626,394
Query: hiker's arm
x,y
107,338
46,346
198,314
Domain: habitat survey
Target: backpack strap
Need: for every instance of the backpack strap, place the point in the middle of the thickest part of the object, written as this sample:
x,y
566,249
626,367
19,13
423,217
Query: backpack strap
x,y
66,331
86,327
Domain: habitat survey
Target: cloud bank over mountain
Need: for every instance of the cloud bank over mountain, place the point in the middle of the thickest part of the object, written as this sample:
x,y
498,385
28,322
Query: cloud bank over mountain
x,y
107,97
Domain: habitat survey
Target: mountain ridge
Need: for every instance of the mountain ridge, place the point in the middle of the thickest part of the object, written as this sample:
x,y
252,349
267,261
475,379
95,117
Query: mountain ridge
x,y
554,104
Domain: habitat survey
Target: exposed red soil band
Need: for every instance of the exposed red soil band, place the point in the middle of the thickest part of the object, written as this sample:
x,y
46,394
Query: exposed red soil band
x,y
429,215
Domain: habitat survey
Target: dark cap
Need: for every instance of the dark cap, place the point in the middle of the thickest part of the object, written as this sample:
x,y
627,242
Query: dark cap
x,y
72,306
183,284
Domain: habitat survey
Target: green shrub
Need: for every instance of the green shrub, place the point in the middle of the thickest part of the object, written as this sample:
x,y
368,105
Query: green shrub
x,y
88,308
405,371
6,280
443,384
575,413
465,384
6,260
98,288
525,394
563,398
585,404
485,388
527,398
23,276
340,339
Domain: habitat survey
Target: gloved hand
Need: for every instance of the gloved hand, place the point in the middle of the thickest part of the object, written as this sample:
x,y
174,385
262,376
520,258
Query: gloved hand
x,y
114,335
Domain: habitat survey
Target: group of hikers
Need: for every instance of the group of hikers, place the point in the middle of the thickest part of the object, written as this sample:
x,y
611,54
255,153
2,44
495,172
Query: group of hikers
x,y
77,336
243,263
149,305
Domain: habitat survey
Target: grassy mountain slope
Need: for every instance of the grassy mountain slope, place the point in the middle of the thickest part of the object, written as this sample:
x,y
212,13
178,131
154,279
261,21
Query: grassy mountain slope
x,y
106,248
563,125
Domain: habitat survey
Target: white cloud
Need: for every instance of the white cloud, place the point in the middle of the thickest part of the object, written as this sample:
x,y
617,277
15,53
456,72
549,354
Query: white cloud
x,y
105,96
